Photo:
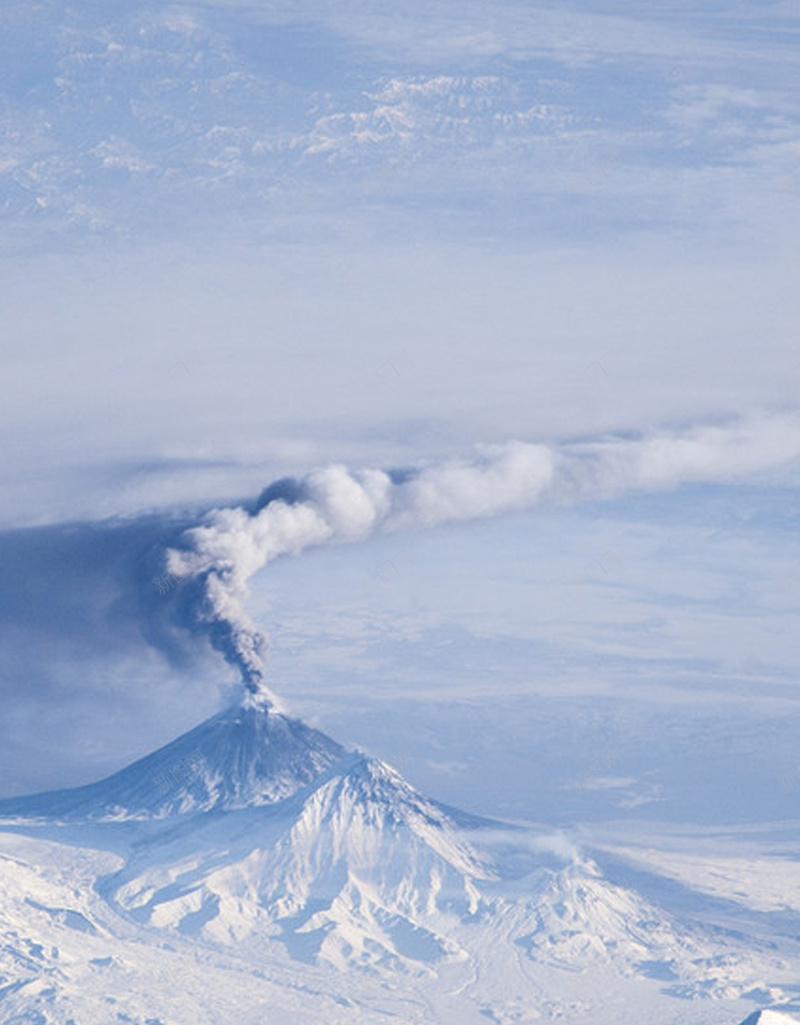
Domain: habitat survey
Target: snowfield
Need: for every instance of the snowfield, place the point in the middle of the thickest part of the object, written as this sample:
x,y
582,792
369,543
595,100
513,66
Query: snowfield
x,y
255,871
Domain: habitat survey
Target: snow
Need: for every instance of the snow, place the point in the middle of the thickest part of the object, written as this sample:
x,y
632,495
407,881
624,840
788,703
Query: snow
x,y
284,872
769,1018
242,757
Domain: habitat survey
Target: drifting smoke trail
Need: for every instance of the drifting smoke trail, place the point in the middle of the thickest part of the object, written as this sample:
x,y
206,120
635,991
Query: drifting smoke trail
x,y
337,505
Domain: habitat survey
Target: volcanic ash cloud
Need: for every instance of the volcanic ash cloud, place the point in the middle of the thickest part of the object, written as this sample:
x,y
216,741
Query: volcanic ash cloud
x,y
338,505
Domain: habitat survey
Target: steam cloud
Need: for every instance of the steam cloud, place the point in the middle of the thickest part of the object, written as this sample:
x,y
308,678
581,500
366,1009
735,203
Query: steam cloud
x,y
338,505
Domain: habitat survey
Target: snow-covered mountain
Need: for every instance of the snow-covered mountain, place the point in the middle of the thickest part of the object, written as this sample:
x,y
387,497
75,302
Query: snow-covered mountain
x,y
354,868
284,864
243,757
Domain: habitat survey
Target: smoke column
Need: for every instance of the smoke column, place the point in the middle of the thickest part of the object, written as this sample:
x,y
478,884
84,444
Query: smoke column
x,y
335,504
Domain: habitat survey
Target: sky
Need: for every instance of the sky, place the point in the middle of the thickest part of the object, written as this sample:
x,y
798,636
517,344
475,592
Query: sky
x,y
243,241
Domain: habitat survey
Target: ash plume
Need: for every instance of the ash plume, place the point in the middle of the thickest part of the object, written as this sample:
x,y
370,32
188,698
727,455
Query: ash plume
x,y
337,505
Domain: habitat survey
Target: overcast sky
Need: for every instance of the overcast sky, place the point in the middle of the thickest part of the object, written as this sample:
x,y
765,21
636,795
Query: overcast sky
x,y
244,240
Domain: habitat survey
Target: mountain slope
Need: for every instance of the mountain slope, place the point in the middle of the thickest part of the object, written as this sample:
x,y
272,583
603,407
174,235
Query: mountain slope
x,y
348,869
242,757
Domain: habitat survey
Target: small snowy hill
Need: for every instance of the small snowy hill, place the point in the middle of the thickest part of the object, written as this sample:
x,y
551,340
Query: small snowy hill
x,y
769,1018
242,757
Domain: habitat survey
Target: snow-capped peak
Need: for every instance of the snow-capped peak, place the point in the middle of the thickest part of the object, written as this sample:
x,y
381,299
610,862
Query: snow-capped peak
x,y
244,756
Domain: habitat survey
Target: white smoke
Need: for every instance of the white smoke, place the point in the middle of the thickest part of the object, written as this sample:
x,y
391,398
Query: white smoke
x,y
518,838
339,505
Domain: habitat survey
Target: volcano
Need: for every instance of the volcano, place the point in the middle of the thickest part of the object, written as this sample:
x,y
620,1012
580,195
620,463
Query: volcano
x,y
246,756
265,849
